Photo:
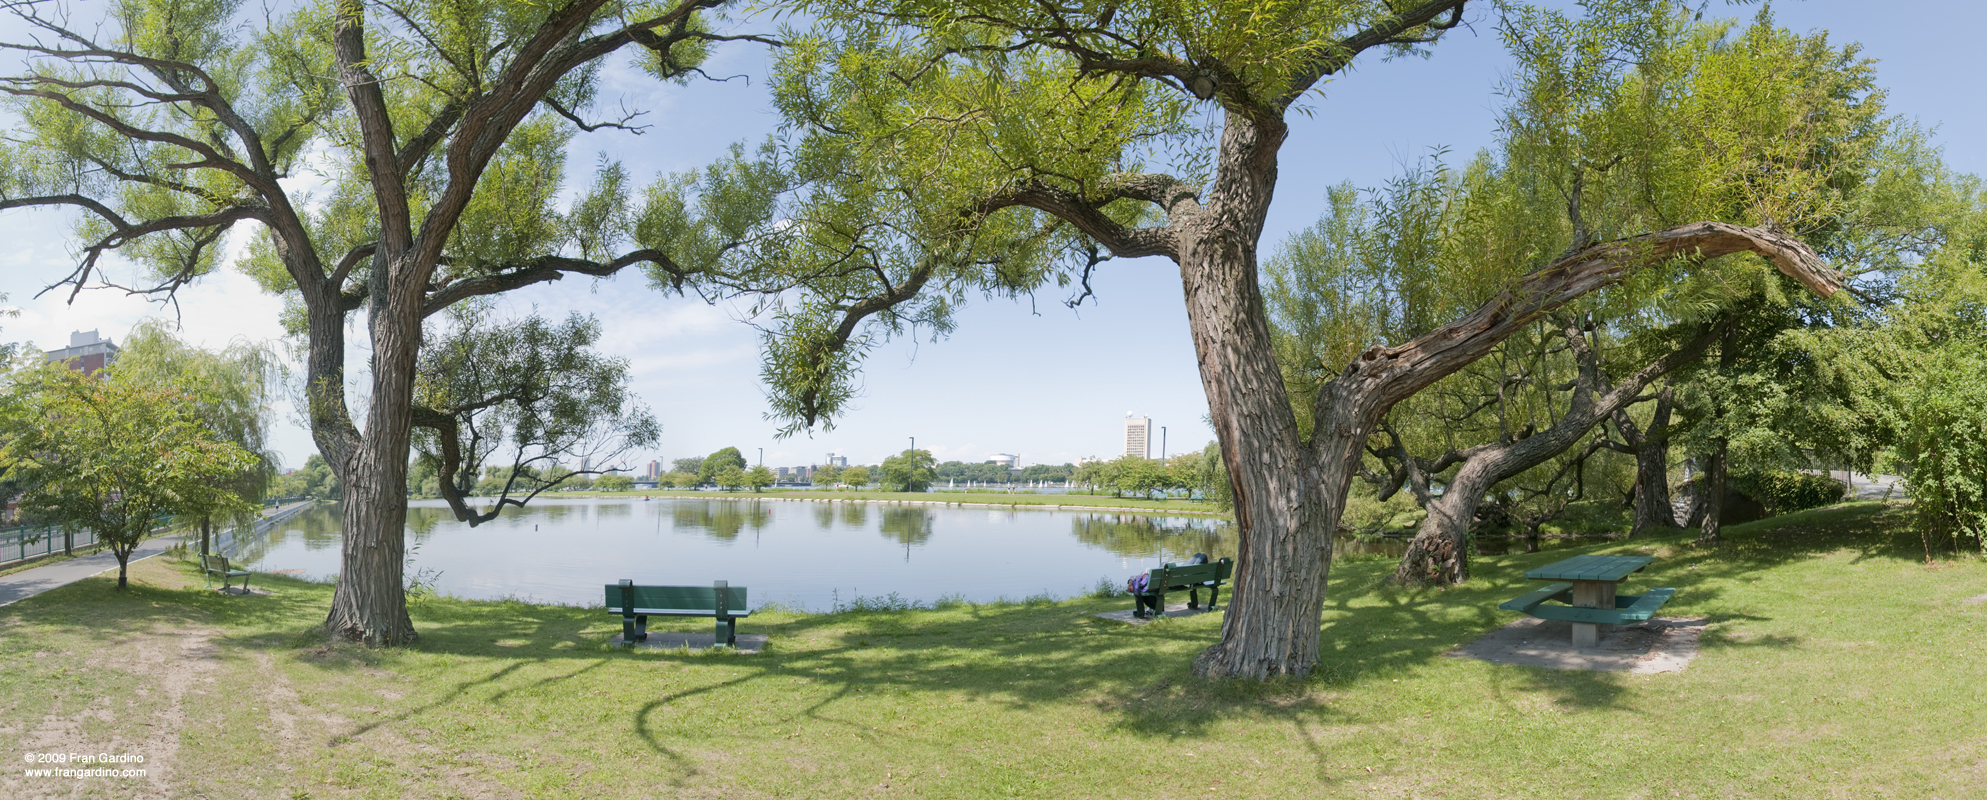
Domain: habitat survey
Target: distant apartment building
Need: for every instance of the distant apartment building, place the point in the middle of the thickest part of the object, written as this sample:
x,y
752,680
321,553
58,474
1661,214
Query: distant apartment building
x,y
655,469
87,352
837,461
1138,436
1011,460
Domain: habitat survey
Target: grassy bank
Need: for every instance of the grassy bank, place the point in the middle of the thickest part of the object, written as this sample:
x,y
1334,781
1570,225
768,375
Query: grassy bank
x,y
1837,664
987,498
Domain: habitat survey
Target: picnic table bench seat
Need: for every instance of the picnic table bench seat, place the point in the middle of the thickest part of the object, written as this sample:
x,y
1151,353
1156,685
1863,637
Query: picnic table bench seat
x,y
213,565
636,604
1189,578
1628,607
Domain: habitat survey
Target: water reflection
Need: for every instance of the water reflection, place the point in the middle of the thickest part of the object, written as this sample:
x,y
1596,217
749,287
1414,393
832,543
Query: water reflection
x,y
806,554
1170,538
721,519
907,527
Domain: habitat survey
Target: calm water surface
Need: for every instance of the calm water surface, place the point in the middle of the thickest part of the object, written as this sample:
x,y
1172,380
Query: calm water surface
x,y
808,554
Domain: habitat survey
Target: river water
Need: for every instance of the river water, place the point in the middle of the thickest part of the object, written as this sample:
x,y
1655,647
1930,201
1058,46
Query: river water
x,y
804,554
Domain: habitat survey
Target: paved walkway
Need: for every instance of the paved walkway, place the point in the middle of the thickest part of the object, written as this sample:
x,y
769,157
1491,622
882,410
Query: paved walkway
x,y
30,582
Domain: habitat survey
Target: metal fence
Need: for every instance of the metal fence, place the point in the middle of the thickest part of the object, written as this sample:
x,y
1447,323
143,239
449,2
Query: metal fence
x,y
23,543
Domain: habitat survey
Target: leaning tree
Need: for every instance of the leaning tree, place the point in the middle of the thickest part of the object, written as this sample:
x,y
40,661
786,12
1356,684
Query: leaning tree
x,y
1678,120
439,130
938,150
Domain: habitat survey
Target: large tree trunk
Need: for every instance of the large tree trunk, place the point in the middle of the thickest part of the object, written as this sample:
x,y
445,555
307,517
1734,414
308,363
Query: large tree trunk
x,y
1717,466
1439,552
1285,509
1714,495
370,603
1289,497
1653,506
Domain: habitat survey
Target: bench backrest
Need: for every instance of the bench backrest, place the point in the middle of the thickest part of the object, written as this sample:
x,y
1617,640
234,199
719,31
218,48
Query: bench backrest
x,y
625,597
1183,575
214,563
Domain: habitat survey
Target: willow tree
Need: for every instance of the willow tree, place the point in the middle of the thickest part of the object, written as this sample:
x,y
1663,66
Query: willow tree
x,y
1608,134
944,149
229,393
439,130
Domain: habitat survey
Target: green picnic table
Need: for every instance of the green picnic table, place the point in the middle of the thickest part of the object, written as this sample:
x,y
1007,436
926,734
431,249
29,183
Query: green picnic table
x,y
1587,588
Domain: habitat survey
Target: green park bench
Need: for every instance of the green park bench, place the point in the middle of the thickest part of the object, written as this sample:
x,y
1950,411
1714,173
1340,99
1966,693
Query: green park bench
x,y
636,604
1189,578
214,565
1587,592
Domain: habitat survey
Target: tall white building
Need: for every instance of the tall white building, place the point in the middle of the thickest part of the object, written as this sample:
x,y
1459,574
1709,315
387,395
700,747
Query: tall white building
x,y
1011,460
1138,436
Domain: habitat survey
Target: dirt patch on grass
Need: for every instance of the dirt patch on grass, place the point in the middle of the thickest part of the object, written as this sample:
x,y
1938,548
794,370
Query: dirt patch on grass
x,y
166,666
1658,645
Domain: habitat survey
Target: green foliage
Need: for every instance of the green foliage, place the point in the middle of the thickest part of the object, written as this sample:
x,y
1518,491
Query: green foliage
x,y
826,475
909,471
313,479
526,394
230,392
857,476
729,478
113,456
1945,441
1787,492
613,483
759,477
727,458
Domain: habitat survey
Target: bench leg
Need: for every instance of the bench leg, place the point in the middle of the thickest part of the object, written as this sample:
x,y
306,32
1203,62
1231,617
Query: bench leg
x,y
634,629
727,631
1193,598
1586,634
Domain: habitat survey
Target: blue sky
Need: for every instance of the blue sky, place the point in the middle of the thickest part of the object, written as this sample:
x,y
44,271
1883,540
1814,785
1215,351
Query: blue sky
x,y
1033,378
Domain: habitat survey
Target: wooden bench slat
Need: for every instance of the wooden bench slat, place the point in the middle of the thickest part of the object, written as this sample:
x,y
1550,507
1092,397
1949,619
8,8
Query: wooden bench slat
x,y
1562,592
1628,608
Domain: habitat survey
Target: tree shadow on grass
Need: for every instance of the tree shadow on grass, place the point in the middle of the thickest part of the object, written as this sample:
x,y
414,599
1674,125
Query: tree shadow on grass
x,y
1021,656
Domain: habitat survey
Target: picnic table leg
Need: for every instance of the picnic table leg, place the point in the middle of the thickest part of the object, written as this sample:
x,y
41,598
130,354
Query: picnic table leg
x,y
1591,594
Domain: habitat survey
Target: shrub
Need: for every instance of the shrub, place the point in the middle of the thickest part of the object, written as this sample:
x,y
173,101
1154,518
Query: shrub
x,y
1945,441
1784,492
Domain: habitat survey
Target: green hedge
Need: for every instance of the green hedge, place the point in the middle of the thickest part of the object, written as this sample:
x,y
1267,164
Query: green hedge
x,y
1782,492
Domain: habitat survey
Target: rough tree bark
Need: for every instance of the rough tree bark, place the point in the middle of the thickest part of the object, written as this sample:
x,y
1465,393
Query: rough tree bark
x,y
1439,552
1271,627
1717,465
1651,447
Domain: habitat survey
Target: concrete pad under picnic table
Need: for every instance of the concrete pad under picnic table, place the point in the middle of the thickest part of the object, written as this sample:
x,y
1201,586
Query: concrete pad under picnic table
x,y
1662,644
746,642
1172,610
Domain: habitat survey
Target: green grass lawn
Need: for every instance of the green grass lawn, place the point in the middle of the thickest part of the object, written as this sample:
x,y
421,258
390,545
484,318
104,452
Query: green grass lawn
x,y
982,497
1837,663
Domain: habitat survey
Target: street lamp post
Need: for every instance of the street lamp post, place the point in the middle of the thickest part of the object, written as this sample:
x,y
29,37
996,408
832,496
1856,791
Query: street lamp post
x,y
914,443
762,456
1162,443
